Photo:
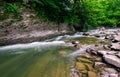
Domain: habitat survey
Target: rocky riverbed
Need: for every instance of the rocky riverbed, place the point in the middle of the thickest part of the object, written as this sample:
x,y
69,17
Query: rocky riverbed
x,y
85,54
98,60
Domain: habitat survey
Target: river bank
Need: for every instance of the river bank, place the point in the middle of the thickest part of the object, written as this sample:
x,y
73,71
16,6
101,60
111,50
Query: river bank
x,y
98,60
30,37
27,27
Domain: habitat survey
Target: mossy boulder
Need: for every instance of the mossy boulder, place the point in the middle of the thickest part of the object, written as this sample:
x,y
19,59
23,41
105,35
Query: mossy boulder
x,y
84,60
80,66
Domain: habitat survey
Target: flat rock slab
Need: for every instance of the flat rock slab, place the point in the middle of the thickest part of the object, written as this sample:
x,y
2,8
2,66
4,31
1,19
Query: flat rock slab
x,y
109,72
116,38
115,46
111,59
102,52
118,55
92,74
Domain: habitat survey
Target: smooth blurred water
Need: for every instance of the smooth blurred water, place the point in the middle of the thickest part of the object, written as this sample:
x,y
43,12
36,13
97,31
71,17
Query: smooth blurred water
x,y
38,59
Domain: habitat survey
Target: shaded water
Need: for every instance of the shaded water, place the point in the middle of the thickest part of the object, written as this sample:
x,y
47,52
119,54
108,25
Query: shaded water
x,y
39,59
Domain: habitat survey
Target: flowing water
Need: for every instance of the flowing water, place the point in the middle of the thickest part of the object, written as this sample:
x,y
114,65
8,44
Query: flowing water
x,y
35,60
40,59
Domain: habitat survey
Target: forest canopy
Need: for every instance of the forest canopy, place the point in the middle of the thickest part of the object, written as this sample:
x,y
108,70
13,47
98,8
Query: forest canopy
x,y
85,14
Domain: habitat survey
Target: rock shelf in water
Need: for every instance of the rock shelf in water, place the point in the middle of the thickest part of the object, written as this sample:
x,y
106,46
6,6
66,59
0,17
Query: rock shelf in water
x,y
101,60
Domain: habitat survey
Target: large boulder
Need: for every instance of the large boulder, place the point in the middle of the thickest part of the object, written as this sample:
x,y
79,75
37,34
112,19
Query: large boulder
x,y
109,72
92,49
118,55
109,36
86,33
112,59
76,44
92,74
116,38
115,46
99,65
102,52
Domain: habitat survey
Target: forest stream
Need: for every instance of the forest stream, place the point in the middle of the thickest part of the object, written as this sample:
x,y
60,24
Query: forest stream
x,y
57,57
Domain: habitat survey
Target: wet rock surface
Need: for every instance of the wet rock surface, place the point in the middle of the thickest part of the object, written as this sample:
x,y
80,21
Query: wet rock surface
x,y
115,46
111,59
100,60
109,72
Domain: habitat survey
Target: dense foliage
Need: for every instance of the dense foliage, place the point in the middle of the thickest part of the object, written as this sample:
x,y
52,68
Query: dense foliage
x,y
81,14
104,12
53,10
97,13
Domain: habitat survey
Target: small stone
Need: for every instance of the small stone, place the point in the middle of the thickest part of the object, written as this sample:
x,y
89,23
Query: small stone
x,y
104,74
86,34
110,70
98,59
86,55
96,35
75,42
80,66
106,47
113,75
92,74
27,15
91,51
75,73
89,67
99,65
109,37
85,60
62,53
84,72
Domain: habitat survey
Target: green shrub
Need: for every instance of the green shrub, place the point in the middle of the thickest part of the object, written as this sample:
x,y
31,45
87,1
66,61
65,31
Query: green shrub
x,y
12,9
52,10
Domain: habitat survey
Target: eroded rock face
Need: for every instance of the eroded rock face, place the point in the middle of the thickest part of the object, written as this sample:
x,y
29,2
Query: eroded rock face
x,y
111,59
